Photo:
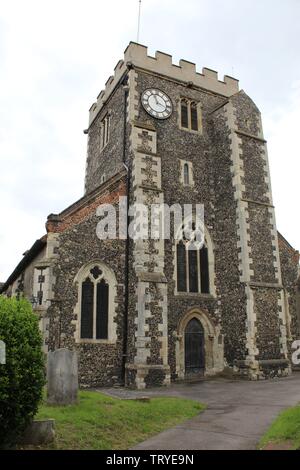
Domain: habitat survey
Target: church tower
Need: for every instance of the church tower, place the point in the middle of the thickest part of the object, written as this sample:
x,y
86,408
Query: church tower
x,y
185,137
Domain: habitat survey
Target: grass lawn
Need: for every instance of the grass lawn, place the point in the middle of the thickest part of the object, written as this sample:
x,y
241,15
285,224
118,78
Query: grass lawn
x,y
102,422
284,431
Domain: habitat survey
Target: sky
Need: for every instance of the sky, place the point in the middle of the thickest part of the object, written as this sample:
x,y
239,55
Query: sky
x,y
55,57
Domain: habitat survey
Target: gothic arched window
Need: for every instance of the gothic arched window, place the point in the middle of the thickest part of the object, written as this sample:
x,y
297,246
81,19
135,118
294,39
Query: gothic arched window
x,y
192,266
94,294
186,174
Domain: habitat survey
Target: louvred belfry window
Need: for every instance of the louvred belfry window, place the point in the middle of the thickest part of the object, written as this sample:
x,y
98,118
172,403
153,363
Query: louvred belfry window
x,y
94,306
194,117
190,115
184,114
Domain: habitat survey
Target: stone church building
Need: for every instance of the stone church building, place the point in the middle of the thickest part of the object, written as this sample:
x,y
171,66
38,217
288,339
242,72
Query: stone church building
x,y
149,312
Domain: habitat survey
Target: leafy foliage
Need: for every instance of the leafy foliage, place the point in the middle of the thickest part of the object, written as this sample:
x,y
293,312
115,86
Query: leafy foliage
x,y
22,377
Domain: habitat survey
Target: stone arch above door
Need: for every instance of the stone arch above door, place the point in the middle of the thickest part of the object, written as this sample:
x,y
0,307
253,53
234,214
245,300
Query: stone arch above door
x,y
213,343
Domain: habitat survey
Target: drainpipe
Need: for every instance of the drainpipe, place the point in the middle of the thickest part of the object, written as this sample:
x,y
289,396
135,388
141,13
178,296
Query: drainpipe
x,y
126,276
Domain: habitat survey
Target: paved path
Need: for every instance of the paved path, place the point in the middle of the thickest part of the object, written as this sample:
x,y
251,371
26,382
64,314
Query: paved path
x,y
237,414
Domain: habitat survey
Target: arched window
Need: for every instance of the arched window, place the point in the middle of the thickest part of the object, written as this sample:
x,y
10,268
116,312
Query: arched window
x,y
104,131
186,174
190,115
192,266
95,308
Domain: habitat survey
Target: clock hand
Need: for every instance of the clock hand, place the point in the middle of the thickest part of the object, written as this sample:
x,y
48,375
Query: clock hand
x,y
158,103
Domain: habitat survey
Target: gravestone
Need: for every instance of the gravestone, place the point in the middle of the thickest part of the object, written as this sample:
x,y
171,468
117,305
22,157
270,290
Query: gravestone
x,y
39,432
62,377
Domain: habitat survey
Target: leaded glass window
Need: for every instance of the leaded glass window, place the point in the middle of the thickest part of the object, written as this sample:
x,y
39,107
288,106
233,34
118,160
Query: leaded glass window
x,y
94,305
192,266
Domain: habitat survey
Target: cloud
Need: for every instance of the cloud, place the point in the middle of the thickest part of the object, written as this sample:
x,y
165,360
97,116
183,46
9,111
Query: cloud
x,y
282,131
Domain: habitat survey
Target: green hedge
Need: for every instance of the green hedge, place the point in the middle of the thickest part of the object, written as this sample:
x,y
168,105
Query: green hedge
x,y
22,377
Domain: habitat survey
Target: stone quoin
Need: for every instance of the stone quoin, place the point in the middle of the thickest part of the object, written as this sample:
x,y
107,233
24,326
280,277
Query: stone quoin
x,y
149,312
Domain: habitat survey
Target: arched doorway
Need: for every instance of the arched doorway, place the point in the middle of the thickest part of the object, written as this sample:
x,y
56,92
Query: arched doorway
x,y
194,350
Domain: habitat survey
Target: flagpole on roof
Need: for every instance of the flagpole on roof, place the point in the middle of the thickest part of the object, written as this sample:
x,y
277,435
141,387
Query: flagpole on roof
x,y
139,21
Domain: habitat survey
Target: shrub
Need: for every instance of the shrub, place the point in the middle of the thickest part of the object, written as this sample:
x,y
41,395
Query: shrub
x,y
22,377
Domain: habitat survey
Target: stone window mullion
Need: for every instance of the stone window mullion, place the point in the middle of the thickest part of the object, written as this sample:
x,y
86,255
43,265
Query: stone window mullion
x,y
187,269
94,309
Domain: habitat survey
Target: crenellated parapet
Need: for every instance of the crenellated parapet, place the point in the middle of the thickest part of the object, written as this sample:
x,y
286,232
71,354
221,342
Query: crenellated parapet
x,y
137,55
110,85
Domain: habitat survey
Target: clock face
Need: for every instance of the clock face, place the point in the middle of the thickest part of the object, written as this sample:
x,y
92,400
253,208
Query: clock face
x,y
156,103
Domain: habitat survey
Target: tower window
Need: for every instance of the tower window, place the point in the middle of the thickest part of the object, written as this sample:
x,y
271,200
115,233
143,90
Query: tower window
x,y
204,269
192,268
181,267
186,175
194,117
105,131
190,115
184,114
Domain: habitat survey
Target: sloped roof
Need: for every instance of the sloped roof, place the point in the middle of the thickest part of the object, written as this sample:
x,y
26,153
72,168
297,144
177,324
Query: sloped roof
x,y
29,256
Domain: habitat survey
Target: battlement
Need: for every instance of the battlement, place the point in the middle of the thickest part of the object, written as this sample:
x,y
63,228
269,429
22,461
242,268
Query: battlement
x,y
162,64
